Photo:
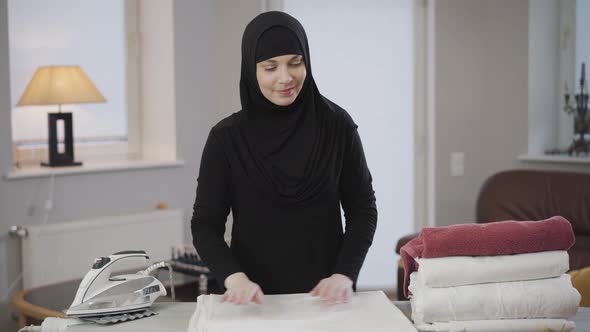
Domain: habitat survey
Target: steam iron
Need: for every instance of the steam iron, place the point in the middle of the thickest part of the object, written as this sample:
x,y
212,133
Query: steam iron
x,y
101,294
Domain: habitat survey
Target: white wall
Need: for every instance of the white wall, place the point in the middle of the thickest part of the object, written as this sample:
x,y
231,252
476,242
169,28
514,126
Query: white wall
x,y
362,59
69,32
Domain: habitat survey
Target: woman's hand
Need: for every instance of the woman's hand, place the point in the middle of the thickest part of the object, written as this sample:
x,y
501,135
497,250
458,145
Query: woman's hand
x,y
335,289
240,290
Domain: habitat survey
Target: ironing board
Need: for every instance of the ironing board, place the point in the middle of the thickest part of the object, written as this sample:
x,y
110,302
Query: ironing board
x,y
172,317
175,317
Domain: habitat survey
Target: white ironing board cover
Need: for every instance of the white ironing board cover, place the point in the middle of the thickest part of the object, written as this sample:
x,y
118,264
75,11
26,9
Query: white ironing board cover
x,y
367,311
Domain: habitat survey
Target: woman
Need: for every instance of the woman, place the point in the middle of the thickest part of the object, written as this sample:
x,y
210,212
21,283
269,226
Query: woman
x,y
283,165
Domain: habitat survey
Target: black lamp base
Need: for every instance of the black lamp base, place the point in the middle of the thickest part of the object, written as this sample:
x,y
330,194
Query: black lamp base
x,y
56,158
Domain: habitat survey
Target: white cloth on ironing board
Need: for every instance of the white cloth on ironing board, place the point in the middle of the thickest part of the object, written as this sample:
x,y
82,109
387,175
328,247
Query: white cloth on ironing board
x,y
468,270
543,298
502,325
367,311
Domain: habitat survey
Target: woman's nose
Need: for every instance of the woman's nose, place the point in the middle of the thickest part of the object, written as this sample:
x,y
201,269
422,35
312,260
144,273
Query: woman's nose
x,y
285,76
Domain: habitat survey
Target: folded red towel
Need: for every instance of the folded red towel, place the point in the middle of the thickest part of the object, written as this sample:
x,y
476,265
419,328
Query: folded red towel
x,y
490,239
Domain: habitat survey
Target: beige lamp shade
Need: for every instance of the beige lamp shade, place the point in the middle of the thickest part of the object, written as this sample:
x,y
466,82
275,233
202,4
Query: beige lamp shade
x,y
56,85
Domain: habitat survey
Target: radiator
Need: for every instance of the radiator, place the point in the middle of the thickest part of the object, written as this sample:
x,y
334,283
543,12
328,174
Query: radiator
x,y
60,252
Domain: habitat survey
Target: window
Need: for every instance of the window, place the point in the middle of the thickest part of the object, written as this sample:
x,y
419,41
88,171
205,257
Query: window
x,y
94,35
557,47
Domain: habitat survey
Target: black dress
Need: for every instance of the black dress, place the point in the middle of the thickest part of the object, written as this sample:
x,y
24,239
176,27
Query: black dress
x,y
284,171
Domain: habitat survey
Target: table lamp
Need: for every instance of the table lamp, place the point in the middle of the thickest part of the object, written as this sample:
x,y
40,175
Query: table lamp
x,y
57,85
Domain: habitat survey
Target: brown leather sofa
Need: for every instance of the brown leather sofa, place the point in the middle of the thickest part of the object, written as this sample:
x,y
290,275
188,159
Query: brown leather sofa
x,y
533,195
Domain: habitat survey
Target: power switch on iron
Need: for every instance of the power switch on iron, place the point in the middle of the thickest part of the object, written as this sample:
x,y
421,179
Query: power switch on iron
x,y
100,262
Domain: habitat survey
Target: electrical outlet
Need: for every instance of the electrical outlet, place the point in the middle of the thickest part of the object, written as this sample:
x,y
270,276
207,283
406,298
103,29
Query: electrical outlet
x,y
48,205
457,164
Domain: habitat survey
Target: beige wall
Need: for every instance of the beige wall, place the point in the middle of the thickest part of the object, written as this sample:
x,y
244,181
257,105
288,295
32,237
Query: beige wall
x,y
481,98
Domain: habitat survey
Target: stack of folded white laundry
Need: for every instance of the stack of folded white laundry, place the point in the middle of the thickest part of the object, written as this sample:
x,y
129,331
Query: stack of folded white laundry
x,y
523,292
506,276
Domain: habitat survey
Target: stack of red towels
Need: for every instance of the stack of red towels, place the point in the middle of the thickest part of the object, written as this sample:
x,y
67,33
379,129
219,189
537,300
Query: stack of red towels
x,y
501,276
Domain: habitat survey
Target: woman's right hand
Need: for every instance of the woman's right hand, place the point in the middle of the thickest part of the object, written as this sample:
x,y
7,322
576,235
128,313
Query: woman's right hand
x,y
240,290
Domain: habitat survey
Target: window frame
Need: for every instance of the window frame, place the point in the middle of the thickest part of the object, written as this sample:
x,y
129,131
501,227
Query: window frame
x,y
29,153
151,102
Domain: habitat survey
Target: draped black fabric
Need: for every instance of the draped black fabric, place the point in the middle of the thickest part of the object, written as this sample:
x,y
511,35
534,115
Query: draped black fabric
x,y
292,150
277,41
284,172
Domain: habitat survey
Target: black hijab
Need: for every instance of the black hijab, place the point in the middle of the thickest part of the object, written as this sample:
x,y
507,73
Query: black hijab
x,y
295,151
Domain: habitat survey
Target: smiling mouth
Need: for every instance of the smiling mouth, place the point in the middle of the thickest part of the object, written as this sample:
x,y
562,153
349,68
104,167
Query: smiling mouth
x,y
286,92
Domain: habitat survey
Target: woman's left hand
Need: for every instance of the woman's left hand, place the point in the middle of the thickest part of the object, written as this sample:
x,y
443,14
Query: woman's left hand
x,y
335,289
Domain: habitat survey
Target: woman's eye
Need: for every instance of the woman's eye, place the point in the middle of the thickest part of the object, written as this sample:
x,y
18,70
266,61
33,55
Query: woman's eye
x,y
269,68
296,63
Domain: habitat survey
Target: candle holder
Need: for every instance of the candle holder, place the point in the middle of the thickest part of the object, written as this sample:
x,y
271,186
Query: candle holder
x,y
581,141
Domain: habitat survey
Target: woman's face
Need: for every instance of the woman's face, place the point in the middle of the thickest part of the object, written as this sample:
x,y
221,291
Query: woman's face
x,y
281,78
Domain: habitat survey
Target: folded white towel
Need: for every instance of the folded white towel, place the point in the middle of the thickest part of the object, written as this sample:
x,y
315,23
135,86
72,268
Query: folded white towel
x,y
502,325
367,311
468,270
544,298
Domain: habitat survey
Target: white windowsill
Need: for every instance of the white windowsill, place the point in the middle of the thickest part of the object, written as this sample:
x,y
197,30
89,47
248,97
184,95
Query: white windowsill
x,y
90,167
554,159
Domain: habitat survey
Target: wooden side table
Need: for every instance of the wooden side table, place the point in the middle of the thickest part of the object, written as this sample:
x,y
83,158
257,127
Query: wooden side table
x,y
30,313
